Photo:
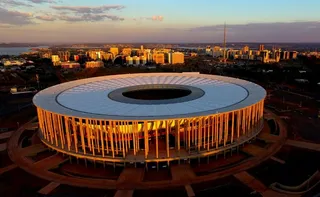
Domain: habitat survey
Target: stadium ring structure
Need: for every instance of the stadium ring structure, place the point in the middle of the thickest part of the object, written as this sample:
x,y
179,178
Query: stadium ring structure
x,y
152,117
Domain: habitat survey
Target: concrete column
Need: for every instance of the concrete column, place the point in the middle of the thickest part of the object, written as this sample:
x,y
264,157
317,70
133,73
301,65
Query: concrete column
x,y
221,119
204,127
226,129
60,123
97,135
248,121
74,127
127,140
87,134
185,132
138,136
253,118
157,143
167,138
116,141
208,133
145,128
213,122
243,124
48,123
111,128
178,135
134,138
193,138
60,131
102,138
107,136
66,124
40,122
216,131
91,137
189,135
238,123
199,131
54,127
43,124
82,137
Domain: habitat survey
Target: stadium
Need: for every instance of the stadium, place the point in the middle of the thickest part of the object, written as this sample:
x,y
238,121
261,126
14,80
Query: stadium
x,y
149,118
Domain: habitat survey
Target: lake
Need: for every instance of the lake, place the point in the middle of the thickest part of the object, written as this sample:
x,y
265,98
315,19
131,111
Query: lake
x,y
16,50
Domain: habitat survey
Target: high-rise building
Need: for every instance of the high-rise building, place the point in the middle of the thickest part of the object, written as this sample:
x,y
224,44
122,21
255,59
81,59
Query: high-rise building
x,y
208,50
277,56
135,52
102,55
67,56
140,52
55,58
245,49
94,64
193,54
168,58
261,47
136,60
149,57
143,60
67,65
64,55
114,51
61,54
216,48
218,53
129,60
45,54
158,58
265,56
177,58
92,54
126,51
293,54
107,56
99,55
76,57
285,55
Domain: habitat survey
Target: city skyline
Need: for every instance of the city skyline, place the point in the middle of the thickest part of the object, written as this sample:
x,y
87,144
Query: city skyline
x,y
163,21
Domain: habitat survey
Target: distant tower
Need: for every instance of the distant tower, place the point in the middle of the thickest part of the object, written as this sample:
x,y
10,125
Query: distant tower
x,y
261,47
225,43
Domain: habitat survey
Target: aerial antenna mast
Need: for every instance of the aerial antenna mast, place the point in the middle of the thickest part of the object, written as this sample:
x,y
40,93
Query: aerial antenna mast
x,y
225,43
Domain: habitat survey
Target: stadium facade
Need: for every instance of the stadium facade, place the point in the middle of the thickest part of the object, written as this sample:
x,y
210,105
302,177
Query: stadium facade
x,y
151,117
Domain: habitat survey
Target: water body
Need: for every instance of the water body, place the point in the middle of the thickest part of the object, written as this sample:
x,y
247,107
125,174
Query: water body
x,y
16,50
190,48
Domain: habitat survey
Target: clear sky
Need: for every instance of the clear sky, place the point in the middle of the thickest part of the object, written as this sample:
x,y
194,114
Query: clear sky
x,y
159,21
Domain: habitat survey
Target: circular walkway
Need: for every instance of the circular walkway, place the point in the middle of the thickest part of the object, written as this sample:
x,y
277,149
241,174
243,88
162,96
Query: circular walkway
x,y
41,168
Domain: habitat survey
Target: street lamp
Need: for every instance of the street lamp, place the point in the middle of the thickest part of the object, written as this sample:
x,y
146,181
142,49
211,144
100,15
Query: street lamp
x,y
37,77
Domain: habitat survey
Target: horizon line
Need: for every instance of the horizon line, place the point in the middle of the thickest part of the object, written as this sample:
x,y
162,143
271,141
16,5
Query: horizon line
x,y
240,42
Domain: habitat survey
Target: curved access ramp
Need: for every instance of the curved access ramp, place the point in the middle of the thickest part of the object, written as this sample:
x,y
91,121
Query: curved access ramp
x,y
304,187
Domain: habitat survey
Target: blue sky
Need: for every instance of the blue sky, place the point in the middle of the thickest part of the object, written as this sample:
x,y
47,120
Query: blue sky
x,y
159,21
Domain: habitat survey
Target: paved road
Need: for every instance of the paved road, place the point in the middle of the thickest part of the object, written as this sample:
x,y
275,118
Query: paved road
x,y
301,144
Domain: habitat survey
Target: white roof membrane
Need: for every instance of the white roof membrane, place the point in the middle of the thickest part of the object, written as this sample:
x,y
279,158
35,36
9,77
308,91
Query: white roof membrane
x,y
88,98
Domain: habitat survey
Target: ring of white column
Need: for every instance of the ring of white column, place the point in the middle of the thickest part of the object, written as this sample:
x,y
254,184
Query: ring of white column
x,y
119,141
171,133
